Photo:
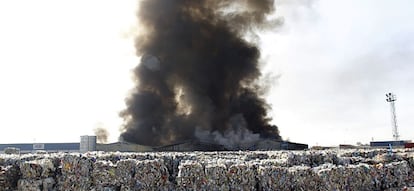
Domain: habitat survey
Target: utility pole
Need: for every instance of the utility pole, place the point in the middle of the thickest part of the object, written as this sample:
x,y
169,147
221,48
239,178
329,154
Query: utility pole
x,y
391,98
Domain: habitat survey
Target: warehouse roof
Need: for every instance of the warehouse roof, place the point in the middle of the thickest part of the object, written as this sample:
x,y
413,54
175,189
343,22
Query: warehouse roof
x,y
42,146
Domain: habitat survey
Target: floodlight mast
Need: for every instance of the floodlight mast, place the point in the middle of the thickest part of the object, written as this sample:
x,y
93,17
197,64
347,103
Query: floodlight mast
x,y
391,98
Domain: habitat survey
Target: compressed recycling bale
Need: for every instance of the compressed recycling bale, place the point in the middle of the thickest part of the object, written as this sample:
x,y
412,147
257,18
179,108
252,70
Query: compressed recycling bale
x,y
191,176
216,176
351,177
242,176
273,178
359,177
256,156
37,169
125,171
103,174
106,188
74,182
29,185
394,175
331,177
172,165
79,165
151,174
9,175
48,184
175,163
304,178
410,161
76,173
30,170
336,171
309,158
295,159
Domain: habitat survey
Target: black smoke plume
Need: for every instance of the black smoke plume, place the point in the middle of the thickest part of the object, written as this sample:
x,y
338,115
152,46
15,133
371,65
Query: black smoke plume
x,y
198,74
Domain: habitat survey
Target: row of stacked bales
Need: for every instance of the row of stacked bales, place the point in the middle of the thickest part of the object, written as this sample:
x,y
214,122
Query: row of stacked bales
x,y
274,170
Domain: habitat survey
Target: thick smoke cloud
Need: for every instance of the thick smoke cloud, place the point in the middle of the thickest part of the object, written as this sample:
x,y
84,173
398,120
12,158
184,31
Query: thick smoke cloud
x,y
198,73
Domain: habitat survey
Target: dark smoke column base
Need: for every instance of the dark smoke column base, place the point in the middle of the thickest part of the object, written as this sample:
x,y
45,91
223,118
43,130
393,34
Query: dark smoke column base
x,y
198,73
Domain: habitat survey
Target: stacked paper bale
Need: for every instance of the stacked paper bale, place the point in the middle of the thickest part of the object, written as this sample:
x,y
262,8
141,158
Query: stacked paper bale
x,y
104,176
216,174
352,177
151,174
191,176
9,175
303,178
273,178
237,170
75,173
242,176
172,161
410,161
124,174
394,175
37,175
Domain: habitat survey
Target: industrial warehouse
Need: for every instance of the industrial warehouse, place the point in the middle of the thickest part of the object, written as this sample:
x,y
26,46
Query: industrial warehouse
x,y
88,143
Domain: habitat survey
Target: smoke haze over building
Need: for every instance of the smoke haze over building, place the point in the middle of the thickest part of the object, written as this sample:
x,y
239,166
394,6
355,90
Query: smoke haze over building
x,y
198,76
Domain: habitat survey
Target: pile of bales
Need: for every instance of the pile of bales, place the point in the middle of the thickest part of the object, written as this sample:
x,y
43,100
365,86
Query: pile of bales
x,y
244,170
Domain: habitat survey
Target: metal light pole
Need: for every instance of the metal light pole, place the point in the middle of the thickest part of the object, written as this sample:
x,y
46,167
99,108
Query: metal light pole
x,y
391,98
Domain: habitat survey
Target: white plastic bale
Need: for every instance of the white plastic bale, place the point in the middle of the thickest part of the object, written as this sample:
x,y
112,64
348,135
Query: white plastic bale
x,y
191,176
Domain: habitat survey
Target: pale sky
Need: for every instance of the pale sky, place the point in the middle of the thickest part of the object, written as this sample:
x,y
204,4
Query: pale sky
x,y
65,68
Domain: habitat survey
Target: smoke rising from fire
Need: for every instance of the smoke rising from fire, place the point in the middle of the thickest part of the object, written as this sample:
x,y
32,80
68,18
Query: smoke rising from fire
x,y
198,73
101,134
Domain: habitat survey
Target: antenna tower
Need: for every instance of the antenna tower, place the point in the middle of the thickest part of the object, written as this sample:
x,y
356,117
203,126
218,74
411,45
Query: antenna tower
x,y
391,98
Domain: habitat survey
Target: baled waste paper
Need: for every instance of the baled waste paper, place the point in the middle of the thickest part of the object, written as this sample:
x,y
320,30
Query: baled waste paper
x,y
9,176
151,174
242,176
37,169
191,176
103,174
216,174
235,170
